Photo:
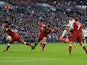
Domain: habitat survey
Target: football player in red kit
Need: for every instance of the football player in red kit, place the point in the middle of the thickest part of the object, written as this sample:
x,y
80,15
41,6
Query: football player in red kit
x,y
14,35
42,37
77,35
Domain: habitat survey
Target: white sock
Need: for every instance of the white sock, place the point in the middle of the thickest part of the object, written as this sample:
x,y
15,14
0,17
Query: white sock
x,y
25,43
64,32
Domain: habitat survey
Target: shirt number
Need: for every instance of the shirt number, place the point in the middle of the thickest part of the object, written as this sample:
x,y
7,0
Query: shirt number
x,y
78,27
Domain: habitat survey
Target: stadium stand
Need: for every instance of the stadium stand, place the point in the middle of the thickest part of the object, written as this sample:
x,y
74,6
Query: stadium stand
x,y
26,13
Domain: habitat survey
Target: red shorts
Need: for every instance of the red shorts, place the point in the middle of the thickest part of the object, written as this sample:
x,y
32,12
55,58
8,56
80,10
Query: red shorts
x,y
16,38
40,37
76,36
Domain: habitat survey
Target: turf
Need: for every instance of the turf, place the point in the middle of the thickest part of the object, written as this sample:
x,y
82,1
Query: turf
x,y
54,54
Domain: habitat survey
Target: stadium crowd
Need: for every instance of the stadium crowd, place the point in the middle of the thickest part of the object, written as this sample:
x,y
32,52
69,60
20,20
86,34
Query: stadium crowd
x,y
27,13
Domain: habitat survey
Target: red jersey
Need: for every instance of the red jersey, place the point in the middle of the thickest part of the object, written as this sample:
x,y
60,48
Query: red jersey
x,y
77,27
43,31
10,32
15,36
77,32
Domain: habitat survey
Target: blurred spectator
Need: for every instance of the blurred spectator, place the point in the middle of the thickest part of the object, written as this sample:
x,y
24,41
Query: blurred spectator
x,y
27,13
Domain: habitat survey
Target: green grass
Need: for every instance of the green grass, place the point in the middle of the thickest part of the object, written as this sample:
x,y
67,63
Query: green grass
x,y
54,54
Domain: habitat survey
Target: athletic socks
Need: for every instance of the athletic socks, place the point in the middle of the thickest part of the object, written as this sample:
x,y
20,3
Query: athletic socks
x,y
85,49
70,48
33,47
6,48
28,44
43,46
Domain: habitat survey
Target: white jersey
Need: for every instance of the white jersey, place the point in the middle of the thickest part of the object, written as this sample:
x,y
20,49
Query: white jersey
x,y
70,22
85,32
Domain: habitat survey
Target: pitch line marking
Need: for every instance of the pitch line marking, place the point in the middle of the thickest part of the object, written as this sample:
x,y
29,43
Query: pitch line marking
x,y
25,59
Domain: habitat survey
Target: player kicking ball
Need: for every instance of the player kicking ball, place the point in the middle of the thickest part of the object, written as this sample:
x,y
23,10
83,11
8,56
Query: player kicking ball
x,y
77,35
42,37
12,36
71,21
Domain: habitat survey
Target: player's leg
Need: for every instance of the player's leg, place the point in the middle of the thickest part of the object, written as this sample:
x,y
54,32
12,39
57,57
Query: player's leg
x,y
26,43
36,43
72,39
8,45
83,46
70,48
74,45
81,43
43,43
40,37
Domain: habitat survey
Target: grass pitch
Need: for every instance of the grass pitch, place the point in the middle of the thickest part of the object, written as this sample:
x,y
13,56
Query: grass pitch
x,y
54,54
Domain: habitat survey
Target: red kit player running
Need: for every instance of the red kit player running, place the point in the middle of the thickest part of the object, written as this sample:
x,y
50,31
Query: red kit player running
x,y
14,36
77,35
42,37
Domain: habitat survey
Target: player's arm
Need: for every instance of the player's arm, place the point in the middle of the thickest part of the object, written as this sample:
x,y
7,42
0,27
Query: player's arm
x,y
54,30
69,29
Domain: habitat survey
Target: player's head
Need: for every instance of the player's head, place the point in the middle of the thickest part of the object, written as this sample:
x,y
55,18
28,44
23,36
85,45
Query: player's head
x,y
5,24
77,19
47,26
71,17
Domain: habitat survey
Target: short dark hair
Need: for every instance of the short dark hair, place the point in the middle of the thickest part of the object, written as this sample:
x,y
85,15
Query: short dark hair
x,y
48,25
76,19
72,16
6,22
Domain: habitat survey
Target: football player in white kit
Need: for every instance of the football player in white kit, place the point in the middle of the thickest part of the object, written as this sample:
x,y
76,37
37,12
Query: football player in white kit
x,y
71,21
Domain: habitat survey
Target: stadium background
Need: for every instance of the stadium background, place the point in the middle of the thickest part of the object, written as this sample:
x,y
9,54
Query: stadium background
x,y
24,15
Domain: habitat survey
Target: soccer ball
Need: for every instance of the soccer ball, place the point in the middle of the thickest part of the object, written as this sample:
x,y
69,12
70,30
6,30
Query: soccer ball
x,y
8,38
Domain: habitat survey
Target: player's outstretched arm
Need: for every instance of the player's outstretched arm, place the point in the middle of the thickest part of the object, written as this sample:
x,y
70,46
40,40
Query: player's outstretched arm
x,y
68,30
54,30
